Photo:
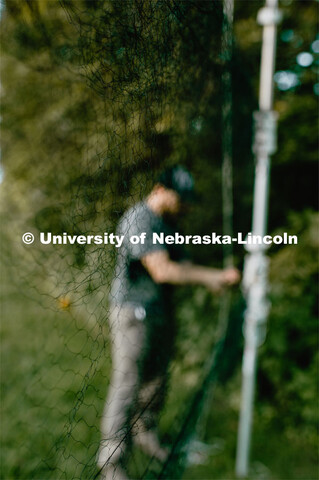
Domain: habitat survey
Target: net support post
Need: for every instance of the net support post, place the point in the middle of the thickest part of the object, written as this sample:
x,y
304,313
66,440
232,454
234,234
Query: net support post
x,y
255,278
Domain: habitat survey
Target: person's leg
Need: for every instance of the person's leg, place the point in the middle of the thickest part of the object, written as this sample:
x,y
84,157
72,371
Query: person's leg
x,y
128,337
154,382
150,402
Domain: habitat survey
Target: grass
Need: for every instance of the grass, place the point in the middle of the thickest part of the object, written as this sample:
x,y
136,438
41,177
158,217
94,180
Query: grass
x,y
55,370
54,378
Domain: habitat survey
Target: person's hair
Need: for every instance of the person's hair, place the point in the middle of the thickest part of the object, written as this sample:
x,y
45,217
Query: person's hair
x,y
179,179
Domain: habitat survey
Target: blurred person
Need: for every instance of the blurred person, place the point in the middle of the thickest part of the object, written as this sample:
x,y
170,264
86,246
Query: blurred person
x,y
141,324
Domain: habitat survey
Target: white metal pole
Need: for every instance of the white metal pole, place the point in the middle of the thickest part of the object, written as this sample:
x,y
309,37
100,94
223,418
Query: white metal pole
x,y
256,263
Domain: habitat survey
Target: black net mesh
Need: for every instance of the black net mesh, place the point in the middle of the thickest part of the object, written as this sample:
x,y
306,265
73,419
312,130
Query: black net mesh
x,y
107,94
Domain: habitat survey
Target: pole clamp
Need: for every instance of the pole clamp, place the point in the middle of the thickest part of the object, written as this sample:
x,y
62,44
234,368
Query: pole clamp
x,y
269,16
265,132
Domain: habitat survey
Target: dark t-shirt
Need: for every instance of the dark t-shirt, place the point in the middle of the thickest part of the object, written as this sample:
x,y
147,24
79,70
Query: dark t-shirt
x,y
132,284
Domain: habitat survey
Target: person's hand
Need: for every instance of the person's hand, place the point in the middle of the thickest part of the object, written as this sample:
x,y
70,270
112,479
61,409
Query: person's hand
x,y
231,276
217,280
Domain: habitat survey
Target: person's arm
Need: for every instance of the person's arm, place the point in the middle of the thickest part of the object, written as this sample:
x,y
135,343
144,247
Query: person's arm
x,y
164,270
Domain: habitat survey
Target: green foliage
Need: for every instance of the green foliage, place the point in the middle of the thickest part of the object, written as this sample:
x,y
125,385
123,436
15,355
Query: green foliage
x,y
290,359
